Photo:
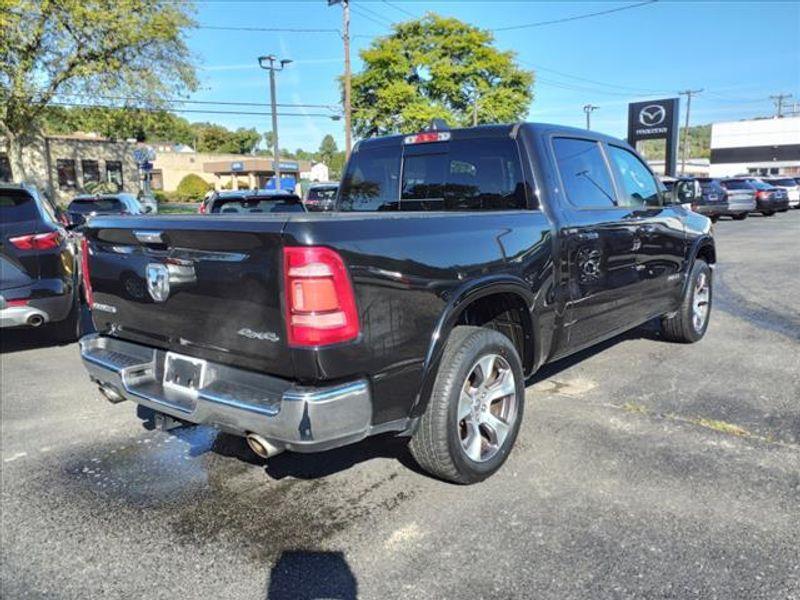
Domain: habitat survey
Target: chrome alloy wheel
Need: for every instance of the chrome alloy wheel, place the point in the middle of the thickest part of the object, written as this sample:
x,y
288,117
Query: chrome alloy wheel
x,y
701,302
487,407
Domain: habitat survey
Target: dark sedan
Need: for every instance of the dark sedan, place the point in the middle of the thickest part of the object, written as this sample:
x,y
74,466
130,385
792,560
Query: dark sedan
x,y
769,199
108,204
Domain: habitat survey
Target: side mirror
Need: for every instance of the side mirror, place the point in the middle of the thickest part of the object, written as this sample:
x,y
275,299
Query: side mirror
x,y
687,191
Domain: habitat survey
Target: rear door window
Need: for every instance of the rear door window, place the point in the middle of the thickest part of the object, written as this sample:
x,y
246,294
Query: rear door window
x,y
17,206
372,180
584,173
639,187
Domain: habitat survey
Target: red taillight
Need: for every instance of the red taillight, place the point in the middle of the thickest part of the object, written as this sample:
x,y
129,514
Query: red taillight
x,y
37,241
20,302
202,208
320,305
87,283
762,195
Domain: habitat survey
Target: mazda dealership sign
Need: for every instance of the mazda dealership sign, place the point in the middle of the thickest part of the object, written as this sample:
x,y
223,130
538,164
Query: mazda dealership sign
x,y
653,120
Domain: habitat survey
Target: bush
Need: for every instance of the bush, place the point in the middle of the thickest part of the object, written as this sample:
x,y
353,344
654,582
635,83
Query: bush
x,y
192,188
160,196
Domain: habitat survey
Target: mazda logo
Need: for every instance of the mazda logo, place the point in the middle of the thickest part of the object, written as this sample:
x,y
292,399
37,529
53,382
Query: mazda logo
x,y
158,281
652,115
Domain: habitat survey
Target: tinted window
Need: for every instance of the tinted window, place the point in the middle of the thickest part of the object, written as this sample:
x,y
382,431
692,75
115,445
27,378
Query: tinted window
x,y
784,182
322,193
66,173
91,171
17,206
639,187
459,175
371,181
289,204
98,205
736,184
584,174
759,185
5,168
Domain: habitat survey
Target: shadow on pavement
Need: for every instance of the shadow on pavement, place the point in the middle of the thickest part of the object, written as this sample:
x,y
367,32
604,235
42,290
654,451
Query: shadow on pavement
x,y
20,339
309,575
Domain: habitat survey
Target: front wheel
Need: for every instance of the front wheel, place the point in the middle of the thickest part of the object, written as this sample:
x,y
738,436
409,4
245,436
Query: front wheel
x,y
475,408
740,217
768,213
690,322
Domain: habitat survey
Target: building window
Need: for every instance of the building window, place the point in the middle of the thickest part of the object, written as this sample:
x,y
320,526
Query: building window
x,y
91,172
66,173
114,172
5,168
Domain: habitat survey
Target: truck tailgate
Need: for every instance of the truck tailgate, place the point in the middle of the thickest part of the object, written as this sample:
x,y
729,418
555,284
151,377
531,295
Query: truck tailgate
x,y
202,286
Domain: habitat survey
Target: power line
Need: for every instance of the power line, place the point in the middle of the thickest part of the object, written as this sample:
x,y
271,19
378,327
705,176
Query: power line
x,y
200,102
402,10
190,110
265,29
375,13
368,17
575,17
601,83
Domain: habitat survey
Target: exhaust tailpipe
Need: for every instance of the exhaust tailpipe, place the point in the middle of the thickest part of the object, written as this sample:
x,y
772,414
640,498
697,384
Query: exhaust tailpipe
x,y
111,394
36,320
262,447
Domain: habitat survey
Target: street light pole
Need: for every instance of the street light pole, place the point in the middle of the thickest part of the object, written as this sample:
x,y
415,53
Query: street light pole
x,y
589,109
268,63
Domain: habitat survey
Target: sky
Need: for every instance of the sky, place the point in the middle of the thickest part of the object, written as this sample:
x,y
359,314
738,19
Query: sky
x,y
739,53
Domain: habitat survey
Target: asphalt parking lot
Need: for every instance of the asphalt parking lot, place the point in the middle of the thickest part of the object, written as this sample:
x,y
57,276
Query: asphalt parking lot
x,y
643,469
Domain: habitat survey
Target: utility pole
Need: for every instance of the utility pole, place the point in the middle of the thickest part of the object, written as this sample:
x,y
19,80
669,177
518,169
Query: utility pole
x,y
778,100
589,109
348,142
688,94
268,63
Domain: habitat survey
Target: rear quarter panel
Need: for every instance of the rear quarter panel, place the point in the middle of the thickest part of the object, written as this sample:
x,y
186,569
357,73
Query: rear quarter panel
x,y
408,271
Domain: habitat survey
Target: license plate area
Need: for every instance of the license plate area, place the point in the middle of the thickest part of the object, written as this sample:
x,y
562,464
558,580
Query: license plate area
x,y
184,374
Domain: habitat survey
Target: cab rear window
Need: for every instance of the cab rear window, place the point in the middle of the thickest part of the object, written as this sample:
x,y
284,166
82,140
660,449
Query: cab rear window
x,y
16,206
461,175
288,204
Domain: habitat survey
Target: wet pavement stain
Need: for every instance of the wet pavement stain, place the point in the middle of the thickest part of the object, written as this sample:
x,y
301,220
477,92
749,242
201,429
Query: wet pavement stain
x,y
207,488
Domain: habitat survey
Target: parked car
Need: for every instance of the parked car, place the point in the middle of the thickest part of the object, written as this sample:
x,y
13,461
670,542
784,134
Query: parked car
x,y
791,186
321,196
713,201
39,268
254,202
741,198
421,309
148,203
89,205
769,199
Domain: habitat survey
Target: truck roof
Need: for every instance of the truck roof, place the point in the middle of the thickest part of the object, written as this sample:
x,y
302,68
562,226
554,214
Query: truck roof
x,y
497,131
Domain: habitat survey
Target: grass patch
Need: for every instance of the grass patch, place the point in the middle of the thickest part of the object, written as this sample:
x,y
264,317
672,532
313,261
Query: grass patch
x,y
632,407
172,210
721,426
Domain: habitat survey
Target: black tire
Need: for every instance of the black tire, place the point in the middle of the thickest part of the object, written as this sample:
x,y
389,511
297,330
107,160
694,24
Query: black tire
x,y
69,329
714,218
740,217
768,213
680,327
437,445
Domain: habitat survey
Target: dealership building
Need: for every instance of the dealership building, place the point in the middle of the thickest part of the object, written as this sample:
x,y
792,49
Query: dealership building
x,y
756,146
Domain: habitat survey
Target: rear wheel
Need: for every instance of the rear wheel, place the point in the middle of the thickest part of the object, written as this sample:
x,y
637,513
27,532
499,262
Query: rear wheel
x,y
690,322
475,408
740,217
768,213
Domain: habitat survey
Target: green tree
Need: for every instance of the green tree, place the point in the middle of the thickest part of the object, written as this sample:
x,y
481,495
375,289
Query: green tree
x,y
327,149
84,50
437,67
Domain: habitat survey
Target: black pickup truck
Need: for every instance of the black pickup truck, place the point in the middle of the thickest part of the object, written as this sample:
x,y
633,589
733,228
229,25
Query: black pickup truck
x,y
456,264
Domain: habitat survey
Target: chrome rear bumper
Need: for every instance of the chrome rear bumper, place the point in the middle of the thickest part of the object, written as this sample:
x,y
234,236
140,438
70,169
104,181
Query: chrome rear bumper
x,y
293,417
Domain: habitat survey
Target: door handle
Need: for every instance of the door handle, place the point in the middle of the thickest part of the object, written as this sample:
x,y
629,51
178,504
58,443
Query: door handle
x,y
645,229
